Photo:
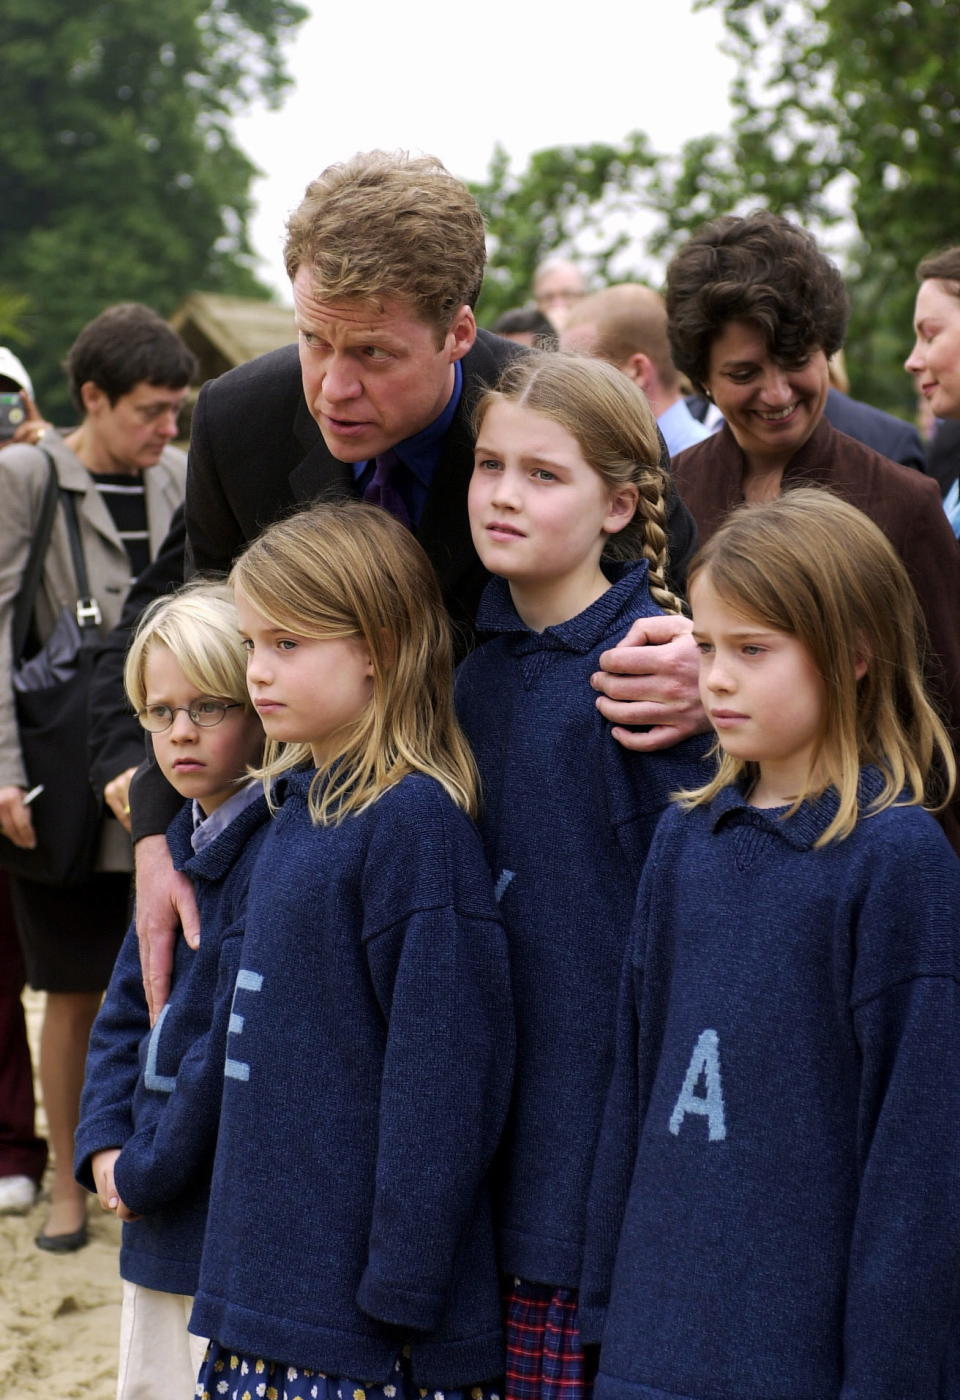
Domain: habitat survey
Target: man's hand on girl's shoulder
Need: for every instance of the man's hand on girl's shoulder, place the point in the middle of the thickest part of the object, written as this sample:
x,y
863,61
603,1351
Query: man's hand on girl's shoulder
x,y
651,679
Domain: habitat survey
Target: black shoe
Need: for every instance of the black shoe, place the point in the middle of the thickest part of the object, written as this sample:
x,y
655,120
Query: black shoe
x,y
62,1244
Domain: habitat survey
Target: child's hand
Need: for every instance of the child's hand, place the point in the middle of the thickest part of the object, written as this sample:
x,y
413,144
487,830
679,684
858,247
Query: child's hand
x,y
101,1164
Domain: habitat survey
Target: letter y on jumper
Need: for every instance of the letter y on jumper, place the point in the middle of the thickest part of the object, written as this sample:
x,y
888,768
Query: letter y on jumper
x,y
704,1061
246,982
501,886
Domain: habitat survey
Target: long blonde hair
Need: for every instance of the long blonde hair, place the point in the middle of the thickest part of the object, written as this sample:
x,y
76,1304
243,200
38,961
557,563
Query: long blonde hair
x,y
813,566
346,569
614,427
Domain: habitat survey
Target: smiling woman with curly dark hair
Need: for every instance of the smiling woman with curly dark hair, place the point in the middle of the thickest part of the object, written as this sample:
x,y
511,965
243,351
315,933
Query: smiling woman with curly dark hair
x,y
761,269
755,311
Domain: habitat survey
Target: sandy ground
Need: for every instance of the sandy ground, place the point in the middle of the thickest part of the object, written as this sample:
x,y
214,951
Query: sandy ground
x,y
59,1314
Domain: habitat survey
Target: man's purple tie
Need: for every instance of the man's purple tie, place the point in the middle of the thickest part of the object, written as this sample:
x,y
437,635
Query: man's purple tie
x,y
382,489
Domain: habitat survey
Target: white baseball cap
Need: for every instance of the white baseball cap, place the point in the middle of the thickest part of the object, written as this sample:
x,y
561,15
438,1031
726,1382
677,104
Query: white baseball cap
x,y
11,367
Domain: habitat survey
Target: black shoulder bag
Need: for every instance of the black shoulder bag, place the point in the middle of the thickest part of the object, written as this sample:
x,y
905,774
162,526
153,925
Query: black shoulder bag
x,y
50,697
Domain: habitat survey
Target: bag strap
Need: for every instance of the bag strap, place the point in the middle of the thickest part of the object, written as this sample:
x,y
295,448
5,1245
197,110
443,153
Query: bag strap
x,y
88,609
23,612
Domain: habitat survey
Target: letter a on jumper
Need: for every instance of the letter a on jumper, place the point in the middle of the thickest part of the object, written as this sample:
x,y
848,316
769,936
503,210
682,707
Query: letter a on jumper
x,y
705,1062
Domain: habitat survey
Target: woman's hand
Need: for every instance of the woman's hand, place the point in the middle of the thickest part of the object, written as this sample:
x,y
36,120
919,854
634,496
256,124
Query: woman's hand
x,y
16,823
34,427
116,794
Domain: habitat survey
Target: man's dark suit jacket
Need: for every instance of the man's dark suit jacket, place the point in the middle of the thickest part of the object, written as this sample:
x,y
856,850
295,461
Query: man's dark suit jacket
x,y
255,455
246,471
889,436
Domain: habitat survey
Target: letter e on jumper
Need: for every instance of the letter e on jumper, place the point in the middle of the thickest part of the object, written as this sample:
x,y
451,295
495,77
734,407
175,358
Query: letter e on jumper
x,y
246,982
705,1064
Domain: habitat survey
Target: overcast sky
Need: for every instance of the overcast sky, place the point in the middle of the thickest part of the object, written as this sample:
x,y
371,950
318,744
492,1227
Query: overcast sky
x,y
423,77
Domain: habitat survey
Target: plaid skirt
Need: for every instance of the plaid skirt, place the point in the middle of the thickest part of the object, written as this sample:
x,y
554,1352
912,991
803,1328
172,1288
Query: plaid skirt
x,y
545,1360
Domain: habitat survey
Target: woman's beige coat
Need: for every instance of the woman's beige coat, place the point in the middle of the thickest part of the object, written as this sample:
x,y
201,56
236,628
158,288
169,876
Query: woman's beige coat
x,y
23,479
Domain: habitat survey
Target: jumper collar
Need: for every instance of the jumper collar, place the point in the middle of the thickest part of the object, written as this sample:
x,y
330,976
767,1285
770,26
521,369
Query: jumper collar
x,y
497,614
804,828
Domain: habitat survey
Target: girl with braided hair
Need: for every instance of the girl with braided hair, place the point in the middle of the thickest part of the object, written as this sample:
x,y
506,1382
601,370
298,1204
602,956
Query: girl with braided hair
x,y
566,508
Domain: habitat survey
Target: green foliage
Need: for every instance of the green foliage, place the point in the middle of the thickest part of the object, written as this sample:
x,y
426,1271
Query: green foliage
x,y
565,193
846,117
119,179
846,113
13,310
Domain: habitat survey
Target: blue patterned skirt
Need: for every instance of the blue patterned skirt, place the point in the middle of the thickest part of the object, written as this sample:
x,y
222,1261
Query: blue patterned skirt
x,y
227,1375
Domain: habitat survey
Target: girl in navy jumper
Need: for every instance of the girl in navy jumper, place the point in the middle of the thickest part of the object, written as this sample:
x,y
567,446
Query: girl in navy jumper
x,y
148,1115
349,1248
780,1156
566,505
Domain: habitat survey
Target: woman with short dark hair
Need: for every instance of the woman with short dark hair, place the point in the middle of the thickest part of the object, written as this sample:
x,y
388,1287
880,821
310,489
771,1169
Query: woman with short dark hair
x,y
762,269
755,311
129,374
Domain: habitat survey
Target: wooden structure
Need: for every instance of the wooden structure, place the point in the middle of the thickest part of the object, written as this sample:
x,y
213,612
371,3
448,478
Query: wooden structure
x,y
226,331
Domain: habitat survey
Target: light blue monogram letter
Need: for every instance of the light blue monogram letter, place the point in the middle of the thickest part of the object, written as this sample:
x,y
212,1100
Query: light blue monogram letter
x,y
162,1083
705,1061
501,886
246,982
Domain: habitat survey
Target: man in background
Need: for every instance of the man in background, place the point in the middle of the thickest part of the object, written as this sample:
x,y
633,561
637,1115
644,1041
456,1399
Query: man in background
x,y
627,326
558,284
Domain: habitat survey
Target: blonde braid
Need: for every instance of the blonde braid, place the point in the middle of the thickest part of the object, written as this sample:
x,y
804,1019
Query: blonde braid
x,y
652,512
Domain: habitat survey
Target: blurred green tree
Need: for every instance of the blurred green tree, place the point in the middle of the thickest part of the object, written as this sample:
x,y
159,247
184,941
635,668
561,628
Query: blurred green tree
x,y
119,179
846,117
568,197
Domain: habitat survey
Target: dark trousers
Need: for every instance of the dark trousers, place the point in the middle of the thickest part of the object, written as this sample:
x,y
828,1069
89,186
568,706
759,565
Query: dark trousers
x,y
22,1153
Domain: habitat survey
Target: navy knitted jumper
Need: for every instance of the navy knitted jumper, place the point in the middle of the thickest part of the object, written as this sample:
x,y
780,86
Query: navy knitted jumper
x,y
568,815
780,1156
367,1080
157,1093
